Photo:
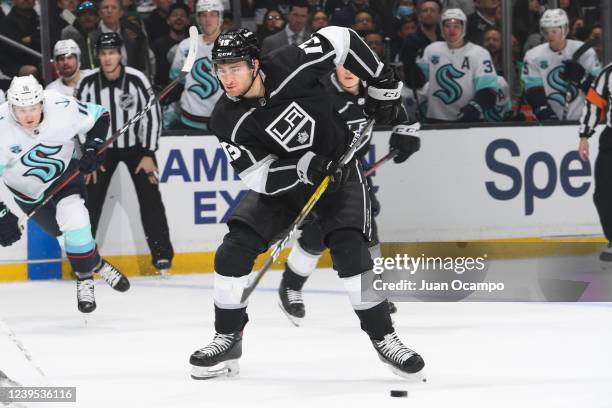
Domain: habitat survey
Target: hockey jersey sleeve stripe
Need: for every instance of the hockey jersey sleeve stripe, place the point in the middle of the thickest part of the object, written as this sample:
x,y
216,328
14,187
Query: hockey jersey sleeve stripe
x,y
596,99
255,177
533,82
95,111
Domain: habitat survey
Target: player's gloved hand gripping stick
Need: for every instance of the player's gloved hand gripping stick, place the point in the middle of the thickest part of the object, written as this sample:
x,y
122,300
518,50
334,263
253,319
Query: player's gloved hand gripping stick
x,y
574,62
344,160
193,46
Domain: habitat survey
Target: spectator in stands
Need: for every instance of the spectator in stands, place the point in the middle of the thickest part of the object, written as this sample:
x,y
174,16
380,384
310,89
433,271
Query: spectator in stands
x,y
376,42
404,9
549,67
428,31
525,19
405,28
492,42
65,16
318,21
484,17
314,5
157,22
462,83
295,31
135,49
364,22
23,26
228,21
164,47
130,13
597,32
579,30
571,8
345,17
87,21
273,22
466,5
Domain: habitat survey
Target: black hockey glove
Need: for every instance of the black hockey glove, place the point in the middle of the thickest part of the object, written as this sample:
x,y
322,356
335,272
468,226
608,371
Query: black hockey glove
x,y
384,98
405,139
472,112
312,168
9,227
545,113
573,72
91,160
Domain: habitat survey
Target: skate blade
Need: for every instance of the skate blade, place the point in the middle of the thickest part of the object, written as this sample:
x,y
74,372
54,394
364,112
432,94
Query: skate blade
x,y
163,273
229,368
295,320
417,377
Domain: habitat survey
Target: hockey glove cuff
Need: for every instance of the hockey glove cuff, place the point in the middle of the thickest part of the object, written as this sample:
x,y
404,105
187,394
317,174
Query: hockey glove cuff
x,y
472,112
405,139
384,98
9,227
312,168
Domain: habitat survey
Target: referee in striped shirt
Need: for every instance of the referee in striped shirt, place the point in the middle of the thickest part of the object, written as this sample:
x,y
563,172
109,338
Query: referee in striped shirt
x,y
124,91
598,110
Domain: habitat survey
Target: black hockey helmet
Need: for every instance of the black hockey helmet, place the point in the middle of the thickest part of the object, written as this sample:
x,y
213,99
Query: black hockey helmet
x,y
108,41
235,46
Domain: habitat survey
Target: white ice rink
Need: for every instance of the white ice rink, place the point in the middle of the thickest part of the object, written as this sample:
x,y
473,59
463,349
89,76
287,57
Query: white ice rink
x,y
134,351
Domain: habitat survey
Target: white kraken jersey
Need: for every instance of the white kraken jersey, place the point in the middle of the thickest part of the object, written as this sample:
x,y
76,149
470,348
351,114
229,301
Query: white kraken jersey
x,y
544,67
31,161
59,85
454,76
202,88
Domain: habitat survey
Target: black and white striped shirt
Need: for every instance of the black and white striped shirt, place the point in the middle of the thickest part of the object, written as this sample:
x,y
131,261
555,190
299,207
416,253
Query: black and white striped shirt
x,y
124,98
597,108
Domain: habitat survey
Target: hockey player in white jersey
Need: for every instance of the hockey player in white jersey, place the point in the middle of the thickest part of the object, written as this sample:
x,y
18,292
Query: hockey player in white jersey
x,y
549,70
461,76
201,89
37,154
503,102
67,55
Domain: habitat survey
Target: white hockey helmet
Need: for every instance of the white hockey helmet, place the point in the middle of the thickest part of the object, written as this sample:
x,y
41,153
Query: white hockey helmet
x,y
63,47
454,14
209,5
555,18
24,91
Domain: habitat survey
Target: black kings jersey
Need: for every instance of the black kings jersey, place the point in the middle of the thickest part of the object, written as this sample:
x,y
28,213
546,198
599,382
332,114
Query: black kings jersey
x,y
264,138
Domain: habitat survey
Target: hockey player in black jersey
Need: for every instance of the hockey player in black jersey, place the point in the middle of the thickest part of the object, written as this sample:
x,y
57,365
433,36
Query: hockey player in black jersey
x,y
348,95
281,134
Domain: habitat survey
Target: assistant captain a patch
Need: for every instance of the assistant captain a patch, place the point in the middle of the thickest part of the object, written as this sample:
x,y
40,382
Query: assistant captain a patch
x,y
293,129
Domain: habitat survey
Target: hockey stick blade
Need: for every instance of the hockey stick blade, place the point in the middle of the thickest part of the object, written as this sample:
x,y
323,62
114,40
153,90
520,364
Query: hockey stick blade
x,y
344,159
193,50
189,61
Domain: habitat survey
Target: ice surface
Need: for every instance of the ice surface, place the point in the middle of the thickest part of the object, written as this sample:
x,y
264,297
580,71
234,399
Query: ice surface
x,y
135,348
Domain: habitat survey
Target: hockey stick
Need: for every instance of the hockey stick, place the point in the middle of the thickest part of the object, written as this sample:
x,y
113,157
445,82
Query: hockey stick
x,y
575,57
193,45
11,335
346,157
374,166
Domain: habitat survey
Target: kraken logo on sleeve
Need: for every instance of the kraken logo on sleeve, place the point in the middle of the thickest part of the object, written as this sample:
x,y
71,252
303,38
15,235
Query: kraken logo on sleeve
x,y
42,165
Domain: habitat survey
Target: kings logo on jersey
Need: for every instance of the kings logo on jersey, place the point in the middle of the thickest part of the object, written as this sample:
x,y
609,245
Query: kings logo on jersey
x,y
293,129
42,166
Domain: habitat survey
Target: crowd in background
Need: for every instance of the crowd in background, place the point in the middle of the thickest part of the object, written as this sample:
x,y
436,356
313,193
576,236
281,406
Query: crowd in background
x,y
397,30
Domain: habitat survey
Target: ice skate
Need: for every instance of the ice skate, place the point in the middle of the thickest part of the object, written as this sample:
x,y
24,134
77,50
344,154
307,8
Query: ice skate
x,y
162,266
291,303
606,255
113,277
85,295
219,358
401,360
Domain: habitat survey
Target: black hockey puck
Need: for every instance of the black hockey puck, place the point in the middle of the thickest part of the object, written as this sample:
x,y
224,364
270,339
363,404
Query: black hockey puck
x,y
399,393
